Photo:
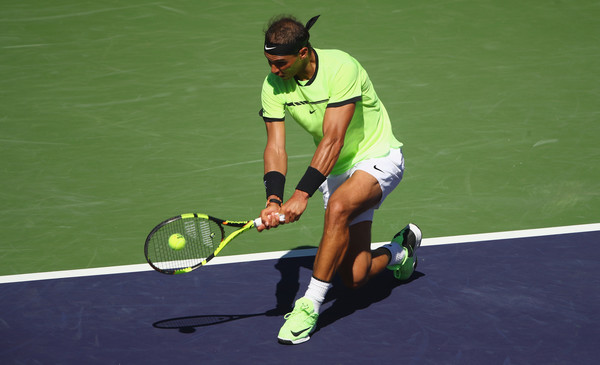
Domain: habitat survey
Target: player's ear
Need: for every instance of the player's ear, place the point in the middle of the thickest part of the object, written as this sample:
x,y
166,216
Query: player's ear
x,y
303,52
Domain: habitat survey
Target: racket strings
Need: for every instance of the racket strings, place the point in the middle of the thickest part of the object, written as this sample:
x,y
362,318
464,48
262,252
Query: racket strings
x,y
206,233
202,238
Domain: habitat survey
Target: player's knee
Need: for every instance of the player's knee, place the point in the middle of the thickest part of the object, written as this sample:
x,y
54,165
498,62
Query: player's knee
x,y
338,210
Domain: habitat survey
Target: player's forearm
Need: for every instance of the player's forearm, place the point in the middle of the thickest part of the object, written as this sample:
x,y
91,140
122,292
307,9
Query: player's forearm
x,y
275,159
275,155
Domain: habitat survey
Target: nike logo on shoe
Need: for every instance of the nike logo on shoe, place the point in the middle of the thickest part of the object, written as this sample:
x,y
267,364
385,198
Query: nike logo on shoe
x,y
298,333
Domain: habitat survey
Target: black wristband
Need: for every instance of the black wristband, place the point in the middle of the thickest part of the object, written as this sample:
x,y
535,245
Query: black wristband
x,y
273,200
274,183
311,181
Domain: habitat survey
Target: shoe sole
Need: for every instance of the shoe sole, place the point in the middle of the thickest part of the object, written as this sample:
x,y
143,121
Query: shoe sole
x,y
293,342
418,235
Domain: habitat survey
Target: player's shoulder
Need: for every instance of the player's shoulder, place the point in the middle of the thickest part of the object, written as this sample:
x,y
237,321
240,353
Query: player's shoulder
x,y
334,55
336,63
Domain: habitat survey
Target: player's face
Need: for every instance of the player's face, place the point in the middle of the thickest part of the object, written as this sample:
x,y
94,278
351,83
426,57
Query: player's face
x,y
286,66
283,66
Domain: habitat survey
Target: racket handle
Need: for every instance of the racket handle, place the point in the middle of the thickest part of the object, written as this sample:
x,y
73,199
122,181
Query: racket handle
x,y
258,222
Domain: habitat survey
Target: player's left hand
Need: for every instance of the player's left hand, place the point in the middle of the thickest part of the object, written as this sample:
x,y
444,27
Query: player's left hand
x,y
269,217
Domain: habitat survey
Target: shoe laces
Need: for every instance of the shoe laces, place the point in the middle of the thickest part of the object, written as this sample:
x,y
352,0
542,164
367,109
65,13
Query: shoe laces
x,y
302,308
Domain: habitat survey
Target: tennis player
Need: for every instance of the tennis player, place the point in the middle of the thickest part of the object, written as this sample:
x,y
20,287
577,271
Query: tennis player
x,y
357,163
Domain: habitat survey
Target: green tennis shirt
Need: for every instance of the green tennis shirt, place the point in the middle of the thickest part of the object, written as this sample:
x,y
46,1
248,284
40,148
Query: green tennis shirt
x,y
338,80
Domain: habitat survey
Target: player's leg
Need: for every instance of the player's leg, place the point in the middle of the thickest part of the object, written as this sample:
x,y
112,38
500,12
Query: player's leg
x,y
359,193
345,244
360,263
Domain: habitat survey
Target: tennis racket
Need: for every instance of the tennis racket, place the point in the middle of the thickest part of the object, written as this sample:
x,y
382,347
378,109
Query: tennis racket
x,y
184,243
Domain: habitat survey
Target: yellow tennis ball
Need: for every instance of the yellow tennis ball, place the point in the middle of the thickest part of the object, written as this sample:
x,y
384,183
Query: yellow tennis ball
x,y
177,241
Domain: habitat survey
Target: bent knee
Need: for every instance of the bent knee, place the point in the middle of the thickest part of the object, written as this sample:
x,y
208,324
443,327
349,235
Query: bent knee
x,y
338,209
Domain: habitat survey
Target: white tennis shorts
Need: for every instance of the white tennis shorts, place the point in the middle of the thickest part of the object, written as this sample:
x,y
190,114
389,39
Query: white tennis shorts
x,y
388,171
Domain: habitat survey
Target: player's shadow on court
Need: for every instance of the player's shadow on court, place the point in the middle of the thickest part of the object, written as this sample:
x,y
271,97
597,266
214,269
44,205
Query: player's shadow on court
x,y
345,301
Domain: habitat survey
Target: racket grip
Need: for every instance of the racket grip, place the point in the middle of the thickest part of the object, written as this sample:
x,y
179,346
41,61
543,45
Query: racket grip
x,y
258,222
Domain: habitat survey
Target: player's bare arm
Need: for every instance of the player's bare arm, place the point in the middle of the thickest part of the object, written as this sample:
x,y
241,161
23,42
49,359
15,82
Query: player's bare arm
x,y
335,125
275,159
275,155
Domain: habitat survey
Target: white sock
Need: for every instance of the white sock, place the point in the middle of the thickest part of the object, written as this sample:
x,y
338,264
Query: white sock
x,y
316,292
397,252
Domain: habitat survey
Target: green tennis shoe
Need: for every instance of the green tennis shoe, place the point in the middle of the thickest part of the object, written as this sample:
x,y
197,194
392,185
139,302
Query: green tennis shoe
x,y
299,324
410,239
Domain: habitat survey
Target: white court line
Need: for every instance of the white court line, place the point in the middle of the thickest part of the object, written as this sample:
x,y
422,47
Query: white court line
x,y
219,260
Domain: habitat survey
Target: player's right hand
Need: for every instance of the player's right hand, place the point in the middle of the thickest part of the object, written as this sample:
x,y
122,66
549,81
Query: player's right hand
x,y
295,206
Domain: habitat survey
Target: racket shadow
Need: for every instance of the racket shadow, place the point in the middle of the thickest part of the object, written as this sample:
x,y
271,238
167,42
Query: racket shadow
x,y
189,324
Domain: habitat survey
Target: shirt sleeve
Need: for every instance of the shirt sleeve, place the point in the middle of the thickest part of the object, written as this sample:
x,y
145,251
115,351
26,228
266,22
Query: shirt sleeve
x,y
273,107
345,85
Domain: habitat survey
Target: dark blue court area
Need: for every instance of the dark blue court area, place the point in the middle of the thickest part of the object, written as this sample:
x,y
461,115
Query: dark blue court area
x,y
519,301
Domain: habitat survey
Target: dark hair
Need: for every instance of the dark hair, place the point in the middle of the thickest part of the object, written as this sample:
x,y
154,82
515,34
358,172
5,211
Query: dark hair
x,y
287,30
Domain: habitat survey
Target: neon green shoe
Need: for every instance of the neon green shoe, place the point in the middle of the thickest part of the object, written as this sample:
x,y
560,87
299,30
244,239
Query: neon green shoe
x,y
299,324
410,239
